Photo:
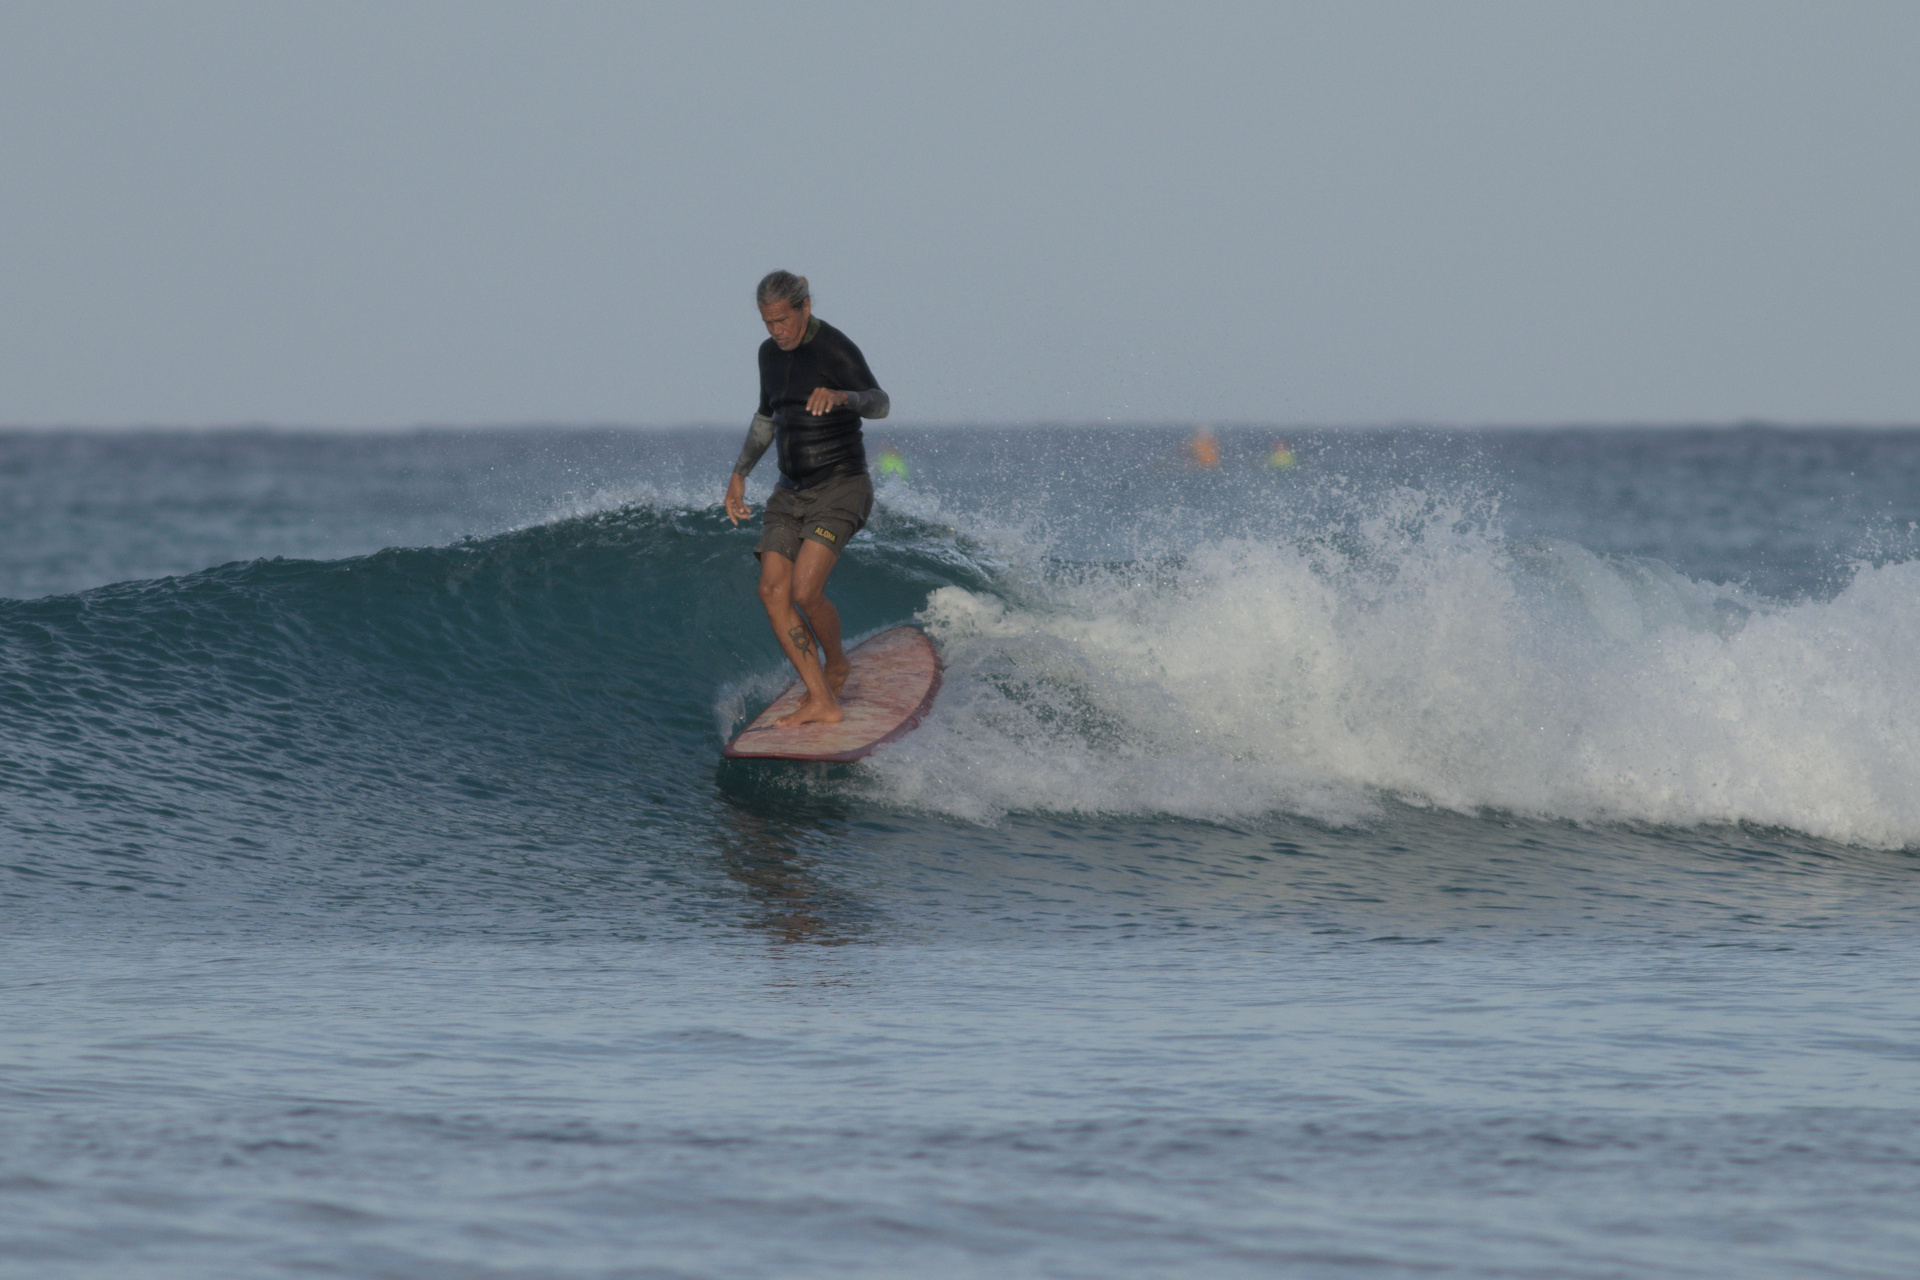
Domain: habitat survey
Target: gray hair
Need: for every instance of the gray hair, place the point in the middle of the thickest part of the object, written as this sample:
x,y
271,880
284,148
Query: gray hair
x,y
782,286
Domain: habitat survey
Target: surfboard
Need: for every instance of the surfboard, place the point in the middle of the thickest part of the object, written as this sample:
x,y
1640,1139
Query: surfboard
x,y
894,678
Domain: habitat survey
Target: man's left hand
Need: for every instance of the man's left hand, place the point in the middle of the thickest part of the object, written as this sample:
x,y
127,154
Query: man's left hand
x,y
824,399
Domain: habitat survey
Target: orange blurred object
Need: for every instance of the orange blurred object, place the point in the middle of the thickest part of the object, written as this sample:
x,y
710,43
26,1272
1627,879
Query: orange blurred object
x,y
1203,450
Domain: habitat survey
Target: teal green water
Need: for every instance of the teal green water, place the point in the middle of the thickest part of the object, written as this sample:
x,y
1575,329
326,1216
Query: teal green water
x,y
1456,854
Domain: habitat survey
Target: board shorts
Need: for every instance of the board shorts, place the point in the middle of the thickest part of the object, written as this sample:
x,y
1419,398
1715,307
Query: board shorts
x,y
829,513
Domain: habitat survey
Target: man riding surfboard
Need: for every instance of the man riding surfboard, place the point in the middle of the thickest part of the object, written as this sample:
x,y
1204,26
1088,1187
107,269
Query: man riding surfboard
x,y
815,388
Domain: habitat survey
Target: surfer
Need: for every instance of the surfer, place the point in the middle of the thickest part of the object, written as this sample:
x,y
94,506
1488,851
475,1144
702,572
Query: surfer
x,y
814,389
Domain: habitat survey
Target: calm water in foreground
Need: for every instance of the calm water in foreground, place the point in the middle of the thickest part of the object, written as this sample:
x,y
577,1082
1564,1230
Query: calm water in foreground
x,y
1455,854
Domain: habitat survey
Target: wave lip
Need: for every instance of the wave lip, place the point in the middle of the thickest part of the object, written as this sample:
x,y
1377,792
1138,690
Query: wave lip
x,y
1435,662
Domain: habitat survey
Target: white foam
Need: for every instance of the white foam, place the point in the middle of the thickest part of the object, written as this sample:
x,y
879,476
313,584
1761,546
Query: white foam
x,y
1432,662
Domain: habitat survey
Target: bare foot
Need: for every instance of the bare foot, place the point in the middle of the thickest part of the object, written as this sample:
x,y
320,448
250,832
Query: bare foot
x,y
808,713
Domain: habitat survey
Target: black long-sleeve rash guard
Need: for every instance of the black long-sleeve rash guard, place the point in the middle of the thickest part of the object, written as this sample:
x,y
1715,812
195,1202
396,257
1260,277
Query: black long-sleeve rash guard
x,y
813,449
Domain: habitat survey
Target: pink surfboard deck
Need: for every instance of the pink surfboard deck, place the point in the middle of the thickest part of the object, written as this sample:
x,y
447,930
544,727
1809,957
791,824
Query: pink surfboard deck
x,y
894,678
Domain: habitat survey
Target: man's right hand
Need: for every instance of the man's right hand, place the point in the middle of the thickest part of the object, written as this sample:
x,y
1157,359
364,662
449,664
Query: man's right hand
x,y
737,508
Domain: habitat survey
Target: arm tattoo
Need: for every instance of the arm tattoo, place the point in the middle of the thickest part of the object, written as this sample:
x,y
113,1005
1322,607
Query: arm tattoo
x,y
802,640
759,436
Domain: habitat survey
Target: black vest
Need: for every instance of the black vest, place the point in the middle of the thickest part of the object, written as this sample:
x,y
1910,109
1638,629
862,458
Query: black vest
x,y
814,449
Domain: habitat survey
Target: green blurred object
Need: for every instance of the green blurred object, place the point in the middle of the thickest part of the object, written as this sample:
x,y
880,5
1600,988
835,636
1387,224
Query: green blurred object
x,y
892,464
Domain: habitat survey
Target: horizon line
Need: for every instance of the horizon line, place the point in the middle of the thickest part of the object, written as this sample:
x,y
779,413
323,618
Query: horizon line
x,y
1057,424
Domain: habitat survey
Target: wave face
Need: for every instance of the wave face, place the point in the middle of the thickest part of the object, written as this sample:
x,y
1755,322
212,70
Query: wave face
x,y
570,684
543,689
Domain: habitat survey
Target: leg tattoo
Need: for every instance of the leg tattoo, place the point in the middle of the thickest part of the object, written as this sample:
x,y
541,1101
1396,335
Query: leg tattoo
x,y
802,640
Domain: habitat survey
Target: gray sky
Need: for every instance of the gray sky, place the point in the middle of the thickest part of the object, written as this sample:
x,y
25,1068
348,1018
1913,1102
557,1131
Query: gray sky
x,y
384,214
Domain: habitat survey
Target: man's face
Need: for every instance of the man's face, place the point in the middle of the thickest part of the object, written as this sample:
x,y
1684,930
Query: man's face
x,y
785,323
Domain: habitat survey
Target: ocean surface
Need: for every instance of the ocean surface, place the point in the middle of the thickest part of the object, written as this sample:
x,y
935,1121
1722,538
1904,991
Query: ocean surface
x,y
1453,854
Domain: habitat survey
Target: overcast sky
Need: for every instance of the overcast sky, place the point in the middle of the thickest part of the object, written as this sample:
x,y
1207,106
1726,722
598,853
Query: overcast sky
x,y
387,214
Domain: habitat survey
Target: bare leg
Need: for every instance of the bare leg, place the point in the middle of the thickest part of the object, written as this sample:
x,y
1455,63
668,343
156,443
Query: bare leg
x,y
790,629
809,596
